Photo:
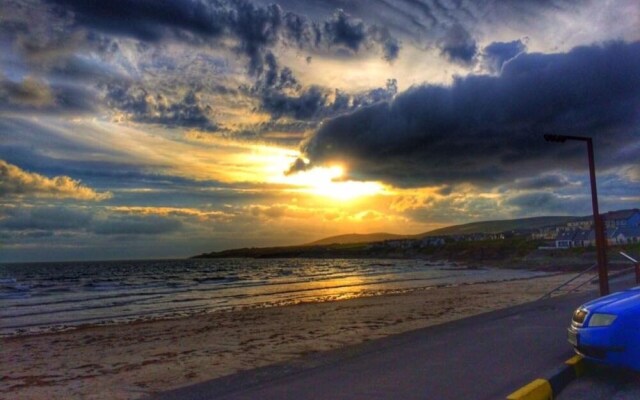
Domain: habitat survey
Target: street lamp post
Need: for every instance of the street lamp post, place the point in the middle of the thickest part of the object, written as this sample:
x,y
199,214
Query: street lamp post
x,y
601,243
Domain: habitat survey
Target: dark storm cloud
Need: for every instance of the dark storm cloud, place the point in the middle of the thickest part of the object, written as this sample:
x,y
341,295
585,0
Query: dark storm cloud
x,y
149,20
305,106
257,28
344,30
458,45
66,77
142,106
497,53
486,129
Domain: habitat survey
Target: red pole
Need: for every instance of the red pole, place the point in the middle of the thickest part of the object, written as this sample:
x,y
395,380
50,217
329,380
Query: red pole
x,y
601,241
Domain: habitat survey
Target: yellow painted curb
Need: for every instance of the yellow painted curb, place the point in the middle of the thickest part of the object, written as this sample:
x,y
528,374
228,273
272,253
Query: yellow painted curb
x,y
577,364
540,389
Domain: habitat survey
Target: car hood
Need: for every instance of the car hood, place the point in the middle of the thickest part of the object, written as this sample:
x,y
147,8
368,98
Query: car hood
x,y
625,302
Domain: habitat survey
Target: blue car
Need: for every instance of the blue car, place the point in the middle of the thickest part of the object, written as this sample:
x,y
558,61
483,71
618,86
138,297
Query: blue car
x,y
607,330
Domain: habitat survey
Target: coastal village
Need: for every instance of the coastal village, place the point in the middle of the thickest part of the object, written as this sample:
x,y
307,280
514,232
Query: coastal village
x,y
495,241
621,227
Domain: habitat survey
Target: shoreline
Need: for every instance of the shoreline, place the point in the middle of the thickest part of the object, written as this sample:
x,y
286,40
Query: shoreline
x,y
128,361
364,293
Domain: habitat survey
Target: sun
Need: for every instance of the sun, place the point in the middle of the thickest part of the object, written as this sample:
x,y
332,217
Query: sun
x,y
328,182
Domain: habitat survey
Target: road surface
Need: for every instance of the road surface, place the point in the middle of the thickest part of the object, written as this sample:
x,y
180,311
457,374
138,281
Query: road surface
x,y
482,357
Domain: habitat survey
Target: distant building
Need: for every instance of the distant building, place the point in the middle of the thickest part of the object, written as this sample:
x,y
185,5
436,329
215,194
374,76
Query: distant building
x,y
548,233
432,242
582,223
622,219
625,235
584,238
576,238
564,240
401,243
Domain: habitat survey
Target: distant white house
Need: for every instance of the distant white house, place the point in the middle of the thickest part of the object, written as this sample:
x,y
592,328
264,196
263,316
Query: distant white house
x,y
582,223
621,227
612,220
584,238
625,235
576,238
564,240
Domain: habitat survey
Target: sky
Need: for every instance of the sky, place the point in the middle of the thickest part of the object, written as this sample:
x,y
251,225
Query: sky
x,y
169,128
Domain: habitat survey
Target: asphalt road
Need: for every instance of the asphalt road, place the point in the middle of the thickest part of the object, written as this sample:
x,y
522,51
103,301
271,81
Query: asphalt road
x,y
482,357
603,383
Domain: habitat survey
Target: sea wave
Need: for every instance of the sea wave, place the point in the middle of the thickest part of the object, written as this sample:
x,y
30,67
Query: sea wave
x,y
58,296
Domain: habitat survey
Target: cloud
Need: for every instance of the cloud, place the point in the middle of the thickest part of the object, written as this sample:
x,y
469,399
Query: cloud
x,y
17,182
35,94
199,214
488,129
44,218
346,31
149,20
256,28
282,95
135,225
390,45
30,92
140,105
340,32
549,203
457,45
544,181
306,105
495,55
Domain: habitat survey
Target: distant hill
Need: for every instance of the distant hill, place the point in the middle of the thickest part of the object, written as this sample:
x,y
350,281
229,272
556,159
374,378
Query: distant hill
x,y
354,245
465,229
358,238
500,226
362,245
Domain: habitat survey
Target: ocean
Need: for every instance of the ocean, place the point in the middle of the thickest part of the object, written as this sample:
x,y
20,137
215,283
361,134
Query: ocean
x,y
45,297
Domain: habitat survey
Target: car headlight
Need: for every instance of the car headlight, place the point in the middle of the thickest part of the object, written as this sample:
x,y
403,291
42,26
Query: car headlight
x,y
579,315
602,319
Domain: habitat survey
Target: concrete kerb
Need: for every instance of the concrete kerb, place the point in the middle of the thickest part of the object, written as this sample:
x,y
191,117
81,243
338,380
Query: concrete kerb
x,y
549,387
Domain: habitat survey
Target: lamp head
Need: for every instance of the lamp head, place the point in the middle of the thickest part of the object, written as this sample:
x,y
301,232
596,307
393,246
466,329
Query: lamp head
x,y
555,138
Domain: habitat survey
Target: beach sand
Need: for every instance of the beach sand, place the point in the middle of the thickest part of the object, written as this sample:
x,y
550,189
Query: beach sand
x,y
132,360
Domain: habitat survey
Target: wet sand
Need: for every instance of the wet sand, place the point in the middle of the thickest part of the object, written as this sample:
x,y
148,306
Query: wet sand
x,y
133,360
